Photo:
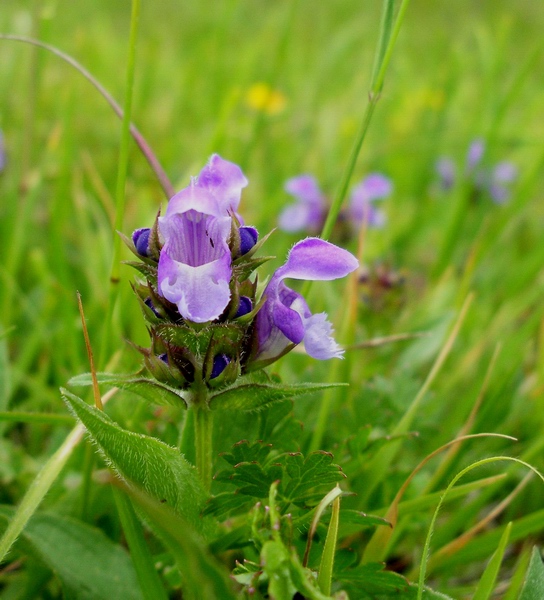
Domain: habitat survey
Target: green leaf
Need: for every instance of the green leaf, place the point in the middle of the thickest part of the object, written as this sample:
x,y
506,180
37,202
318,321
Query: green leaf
x,y
254,393
533,588
227,504
149,389
361,519
88,564
159,469
309,476
489,576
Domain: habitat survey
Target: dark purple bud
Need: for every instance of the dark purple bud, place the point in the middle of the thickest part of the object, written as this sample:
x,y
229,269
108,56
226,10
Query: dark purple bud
x,y
164,358
148,302
141,240
248,239
220,363
245,307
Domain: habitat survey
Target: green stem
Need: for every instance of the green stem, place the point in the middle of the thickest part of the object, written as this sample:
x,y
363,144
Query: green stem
x,y
203,422
384,50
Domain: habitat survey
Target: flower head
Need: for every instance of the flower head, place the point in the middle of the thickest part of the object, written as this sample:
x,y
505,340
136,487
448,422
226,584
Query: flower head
x,y
285,319
194,269
310,209
207,323
493,180
361,209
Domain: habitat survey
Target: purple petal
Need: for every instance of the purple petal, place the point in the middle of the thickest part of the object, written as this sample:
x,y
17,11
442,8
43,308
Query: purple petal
x,y
318,340
194,198
308,213
475,153
445,167
499,194
285,318
195,238
305,189
195,264
316,259
201,293
224,180
373,187
504,172
301,217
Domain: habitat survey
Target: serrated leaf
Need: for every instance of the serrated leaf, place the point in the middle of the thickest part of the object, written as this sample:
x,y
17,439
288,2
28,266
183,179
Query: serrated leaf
x,y
310,475
227,504
533,588
157,468
88,564
243,451
252,393
151,390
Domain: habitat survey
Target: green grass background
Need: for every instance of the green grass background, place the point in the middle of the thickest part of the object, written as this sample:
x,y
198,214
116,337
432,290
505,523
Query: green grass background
x,y
460,70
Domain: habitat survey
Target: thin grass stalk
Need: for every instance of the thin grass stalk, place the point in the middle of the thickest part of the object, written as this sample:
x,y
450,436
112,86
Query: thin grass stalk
x,y
389,32
120,200
426,548
41,485
347,337
142,143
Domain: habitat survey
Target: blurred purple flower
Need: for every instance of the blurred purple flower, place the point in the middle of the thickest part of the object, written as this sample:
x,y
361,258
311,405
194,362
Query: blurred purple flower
x,y
493,180
2,152
194,268
445,168
310,209
285,319
475,154
361,209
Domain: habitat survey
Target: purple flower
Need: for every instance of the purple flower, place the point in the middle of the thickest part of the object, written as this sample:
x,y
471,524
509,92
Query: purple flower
x,y
373,187
475,154
2,152
502,174
194,268
309,211
285,319
494,180
445,167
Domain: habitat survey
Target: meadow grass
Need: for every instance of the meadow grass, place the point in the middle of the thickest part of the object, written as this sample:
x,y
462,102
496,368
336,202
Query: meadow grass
x,y
459,71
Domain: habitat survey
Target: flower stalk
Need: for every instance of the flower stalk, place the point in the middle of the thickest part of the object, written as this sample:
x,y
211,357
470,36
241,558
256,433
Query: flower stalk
x,y
203,424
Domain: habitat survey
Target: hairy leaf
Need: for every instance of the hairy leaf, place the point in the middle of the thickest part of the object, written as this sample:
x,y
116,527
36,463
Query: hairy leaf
x,y
159,469
88,564
149,389
533,588
253,392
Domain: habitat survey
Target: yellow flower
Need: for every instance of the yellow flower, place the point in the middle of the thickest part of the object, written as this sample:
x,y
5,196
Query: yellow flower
x,y
261,97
